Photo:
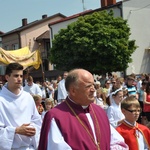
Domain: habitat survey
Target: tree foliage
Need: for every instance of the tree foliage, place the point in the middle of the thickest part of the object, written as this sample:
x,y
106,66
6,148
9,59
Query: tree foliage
x,y
98,42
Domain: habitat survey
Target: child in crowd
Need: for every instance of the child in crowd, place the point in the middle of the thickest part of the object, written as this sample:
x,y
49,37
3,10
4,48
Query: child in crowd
x,y
136,136
49,104
114,113
125,92
38,100
106,91
98,99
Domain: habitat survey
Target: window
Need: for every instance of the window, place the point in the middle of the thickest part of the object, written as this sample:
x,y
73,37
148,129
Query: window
x,y
6,47
15,46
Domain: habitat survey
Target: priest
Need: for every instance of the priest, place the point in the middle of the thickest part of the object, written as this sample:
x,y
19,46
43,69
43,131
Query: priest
x,y
78,123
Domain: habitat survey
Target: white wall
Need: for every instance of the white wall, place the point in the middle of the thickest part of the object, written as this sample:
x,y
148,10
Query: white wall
x,y
137,12
54,29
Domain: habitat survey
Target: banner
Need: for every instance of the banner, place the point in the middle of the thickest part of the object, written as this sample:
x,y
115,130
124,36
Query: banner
x,y
22,56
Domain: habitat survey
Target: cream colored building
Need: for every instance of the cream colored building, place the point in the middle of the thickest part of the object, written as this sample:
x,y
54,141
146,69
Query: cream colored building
x,y
35,35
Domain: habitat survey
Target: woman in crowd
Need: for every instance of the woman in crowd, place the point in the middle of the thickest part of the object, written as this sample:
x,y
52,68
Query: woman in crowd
x,y
146,102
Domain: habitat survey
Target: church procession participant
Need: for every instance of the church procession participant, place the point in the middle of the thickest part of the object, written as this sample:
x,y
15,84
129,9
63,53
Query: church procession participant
x,y
136,136
114,113
32,87
20,122
78,123
39,106
49,104
49,88
99,101
62,93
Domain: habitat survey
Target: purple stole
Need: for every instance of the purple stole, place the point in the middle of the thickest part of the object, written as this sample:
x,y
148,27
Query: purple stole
x,y
73,132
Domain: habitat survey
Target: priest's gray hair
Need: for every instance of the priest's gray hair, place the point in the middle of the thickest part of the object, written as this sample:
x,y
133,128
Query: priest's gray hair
x,y
72,79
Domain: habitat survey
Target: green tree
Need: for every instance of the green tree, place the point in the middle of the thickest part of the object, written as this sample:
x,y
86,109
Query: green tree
x,y
98,42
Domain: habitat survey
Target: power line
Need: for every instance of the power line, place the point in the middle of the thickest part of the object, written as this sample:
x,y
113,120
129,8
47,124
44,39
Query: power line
x,y
140,8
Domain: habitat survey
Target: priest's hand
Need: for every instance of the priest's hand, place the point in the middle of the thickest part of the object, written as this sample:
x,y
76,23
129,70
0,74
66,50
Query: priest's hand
x,y
26,130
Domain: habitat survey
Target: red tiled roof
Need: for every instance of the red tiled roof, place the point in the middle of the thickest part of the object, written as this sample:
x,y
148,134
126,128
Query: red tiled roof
x,y
1,32
84,13
72,17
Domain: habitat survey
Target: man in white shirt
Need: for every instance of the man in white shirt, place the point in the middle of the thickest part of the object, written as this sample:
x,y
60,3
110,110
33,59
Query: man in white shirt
x,y
62,93
139,83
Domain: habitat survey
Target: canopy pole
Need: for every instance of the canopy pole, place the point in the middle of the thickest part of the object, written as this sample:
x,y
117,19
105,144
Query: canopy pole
x,y
43,73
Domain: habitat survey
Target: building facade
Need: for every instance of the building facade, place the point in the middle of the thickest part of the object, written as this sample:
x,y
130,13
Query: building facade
x,y
35,35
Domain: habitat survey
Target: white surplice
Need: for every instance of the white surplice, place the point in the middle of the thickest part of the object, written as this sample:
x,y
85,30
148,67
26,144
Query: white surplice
x,y
114,114
34,89
16,110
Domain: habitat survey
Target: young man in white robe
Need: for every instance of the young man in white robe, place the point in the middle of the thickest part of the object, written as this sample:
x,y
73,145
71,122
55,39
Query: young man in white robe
x,y
20,123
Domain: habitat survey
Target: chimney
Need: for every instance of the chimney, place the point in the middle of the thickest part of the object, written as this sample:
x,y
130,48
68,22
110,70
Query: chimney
x,y
44,16
111,2
24,22
103,3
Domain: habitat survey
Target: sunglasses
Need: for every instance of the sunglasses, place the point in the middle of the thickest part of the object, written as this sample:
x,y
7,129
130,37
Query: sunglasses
x,y
133,111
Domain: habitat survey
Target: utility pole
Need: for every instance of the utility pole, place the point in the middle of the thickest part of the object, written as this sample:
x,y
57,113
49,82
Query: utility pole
x,y
83,5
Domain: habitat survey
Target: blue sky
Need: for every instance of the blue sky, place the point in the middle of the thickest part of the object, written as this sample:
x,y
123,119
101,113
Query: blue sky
x,y
13,11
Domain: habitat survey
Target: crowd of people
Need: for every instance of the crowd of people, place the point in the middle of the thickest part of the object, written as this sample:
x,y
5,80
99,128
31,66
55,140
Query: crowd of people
x,y
74,111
